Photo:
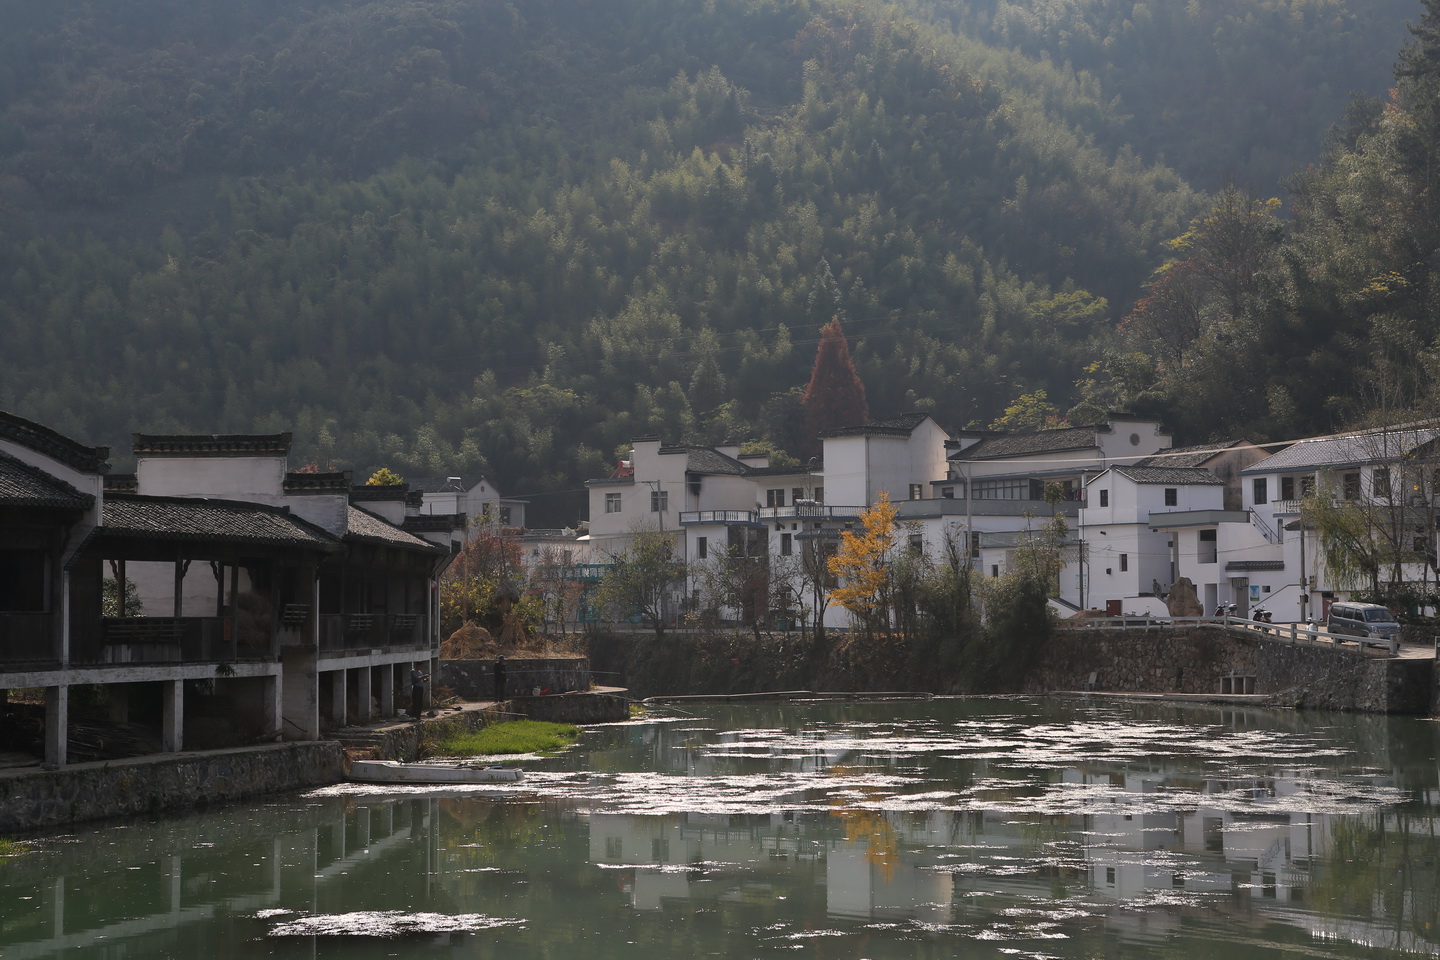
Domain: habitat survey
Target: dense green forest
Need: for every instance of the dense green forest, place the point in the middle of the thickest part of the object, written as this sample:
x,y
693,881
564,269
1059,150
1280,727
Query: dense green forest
x,y
505,237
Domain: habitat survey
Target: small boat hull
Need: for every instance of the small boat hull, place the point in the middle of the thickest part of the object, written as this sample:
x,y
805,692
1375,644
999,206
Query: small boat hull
x,y
393,771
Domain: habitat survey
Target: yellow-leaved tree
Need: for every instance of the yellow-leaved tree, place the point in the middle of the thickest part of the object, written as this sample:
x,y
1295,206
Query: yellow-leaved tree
x,y
862,565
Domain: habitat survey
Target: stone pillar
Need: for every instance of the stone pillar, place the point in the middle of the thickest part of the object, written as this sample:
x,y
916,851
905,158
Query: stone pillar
x,y
57,725
172,716
387,690
337,696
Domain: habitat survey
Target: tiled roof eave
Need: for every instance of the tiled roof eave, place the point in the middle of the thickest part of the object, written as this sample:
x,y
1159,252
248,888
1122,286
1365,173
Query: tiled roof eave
x,y
121,532
424,546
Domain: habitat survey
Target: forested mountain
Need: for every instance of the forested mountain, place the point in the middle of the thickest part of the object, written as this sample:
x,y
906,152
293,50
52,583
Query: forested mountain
x,y
483,235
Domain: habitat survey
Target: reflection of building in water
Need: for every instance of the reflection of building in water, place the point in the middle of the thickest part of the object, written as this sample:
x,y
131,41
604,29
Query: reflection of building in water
x,y
225,872
1204,844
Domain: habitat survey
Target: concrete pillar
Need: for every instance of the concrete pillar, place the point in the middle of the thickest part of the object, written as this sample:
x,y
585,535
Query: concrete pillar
x,y
117,703
387,690
337,696
172,716
363,710
300,695
270,703
57,725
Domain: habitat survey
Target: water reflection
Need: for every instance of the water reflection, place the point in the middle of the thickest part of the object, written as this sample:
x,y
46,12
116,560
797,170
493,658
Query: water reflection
x,y
987,828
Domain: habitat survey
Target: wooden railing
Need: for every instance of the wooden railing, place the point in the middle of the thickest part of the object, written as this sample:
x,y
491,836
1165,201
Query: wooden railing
x,y
353,632
169,640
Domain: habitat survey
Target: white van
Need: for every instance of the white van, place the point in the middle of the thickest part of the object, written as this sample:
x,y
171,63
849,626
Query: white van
x,y
1368,622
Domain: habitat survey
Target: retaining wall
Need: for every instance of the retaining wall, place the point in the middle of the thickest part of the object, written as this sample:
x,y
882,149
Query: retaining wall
x,y
1209,661
33,799
475,679
573,707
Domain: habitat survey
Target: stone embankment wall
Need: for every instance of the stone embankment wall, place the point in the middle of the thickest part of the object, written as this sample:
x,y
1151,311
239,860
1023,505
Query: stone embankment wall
x,y
573,707
1209,661
564,683
32,799
475,679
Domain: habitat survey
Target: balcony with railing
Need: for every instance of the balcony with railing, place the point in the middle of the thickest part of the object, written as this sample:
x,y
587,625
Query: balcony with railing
x,y
762,515
156,640
342,633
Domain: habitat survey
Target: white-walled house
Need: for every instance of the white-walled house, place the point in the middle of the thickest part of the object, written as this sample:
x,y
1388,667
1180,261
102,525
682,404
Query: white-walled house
x,y
993,490
1390,473
1129,535
474,497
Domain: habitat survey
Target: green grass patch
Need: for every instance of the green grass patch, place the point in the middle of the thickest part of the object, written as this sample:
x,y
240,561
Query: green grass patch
x,y
10,848
512,736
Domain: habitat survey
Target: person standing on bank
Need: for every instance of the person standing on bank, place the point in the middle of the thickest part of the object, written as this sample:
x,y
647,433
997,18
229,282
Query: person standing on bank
x,y
500,678
417,692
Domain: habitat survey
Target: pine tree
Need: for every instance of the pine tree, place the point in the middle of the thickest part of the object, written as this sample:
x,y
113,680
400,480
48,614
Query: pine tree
x,y
835,397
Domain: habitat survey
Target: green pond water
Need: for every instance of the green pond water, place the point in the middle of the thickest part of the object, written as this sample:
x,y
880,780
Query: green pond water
x,y
1005,828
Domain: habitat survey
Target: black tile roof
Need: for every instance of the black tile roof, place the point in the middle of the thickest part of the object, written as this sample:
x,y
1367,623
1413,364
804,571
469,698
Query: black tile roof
x,y
194,519
1348,450
47,441
1196,456
1168,475
333,482
22,485
209,445
1009,445
707,460
899,425
434,523
365,526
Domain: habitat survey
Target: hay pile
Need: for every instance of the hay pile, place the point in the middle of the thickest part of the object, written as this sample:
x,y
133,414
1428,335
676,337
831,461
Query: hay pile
x,y
470,642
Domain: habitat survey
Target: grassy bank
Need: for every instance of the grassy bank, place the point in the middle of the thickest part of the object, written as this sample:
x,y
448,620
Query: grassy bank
x,y
508,738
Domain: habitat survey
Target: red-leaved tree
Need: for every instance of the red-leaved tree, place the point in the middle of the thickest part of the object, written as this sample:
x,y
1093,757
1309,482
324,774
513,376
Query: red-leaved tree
x,y
835,397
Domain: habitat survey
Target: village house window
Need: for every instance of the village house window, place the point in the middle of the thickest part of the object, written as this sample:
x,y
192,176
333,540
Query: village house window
x,y
1172,497
975,545
1350,486
1380,485
819,494
917,491
1287,488
1307,486
1261,490
994,569
1124,562
1104,498
797,493
947,493
505,516
786,545
775,498
659,501
612,503
702,547
1208,548
1008,488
